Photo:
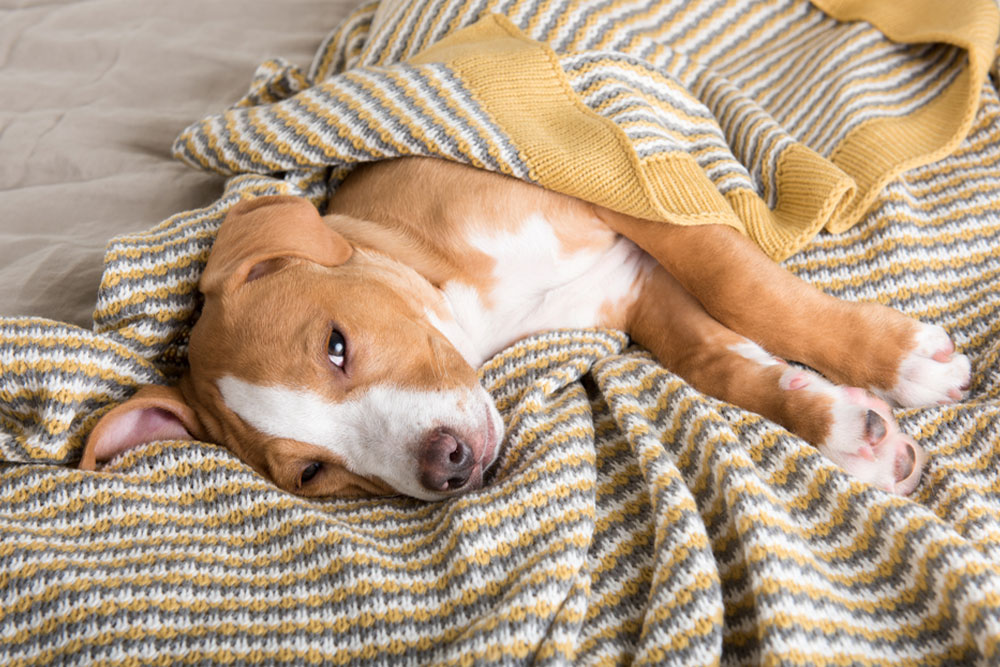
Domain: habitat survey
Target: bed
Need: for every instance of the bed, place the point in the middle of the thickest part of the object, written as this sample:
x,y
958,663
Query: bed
x,y
630,518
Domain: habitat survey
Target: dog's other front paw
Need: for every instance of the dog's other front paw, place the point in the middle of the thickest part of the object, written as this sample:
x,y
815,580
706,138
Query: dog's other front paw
x,y
862,437
865,440
931,372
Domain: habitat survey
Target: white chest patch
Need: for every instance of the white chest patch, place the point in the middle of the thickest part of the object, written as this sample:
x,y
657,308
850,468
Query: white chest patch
x,y
539,286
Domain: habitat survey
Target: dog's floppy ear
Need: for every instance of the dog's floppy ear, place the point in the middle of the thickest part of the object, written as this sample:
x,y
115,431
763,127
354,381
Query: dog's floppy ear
x,y
258,232
155,412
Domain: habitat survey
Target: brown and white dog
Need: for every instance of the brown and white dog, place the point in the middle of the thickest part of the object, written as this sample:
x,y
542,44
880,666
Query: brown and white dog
x,y
337,355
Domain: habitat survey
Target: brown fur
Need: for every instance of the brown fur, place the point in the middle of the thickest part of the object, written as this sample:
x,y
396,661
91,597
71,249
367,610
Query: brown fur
x,y
406,224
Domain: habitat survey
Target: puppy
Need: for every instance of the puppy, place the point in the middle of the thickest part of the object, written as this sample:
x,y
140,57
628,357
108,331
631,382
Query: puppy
x,y
337,355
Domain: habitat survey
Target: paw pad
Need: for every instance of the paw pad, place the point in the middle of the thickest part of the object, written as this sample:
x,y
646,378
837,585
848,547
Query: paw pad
x,y
875,428
865,441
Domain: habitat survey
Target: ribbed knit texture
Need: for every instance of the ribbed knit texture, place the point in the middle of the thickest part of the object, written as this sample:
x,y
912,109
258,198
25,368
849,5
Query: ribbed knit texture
x,y
629,517
674,111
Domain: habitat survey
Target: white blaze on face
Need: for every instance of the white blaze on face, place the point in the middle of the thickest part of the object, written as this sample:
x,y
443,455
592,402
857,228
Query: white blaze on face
x,y
378,433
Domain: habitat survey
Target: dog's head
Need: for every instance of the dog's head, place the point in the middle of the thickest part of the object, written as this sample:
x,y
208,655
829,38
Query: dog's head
x,y
317,364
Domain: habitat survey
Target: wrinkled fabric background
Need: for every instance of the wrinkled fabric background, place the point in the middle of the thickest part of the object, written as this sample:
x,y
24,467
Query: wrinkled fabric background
x,y
91,96
629,517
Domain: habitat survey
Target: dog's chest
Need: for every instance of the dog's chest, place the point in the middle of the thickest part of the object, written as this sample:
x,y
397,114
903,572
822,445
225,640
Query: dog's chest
x,y
538,275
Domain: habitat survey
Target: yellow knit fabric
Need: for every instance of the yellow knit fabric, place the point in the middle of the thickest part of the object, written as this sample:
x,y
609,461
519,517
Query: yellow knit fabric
x,y
573,150
629,518
777,118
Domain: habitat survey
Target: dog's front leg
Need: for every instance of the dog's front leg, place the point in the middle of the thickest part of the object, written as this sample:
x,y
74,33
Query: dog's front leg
x,y
859,344
850,426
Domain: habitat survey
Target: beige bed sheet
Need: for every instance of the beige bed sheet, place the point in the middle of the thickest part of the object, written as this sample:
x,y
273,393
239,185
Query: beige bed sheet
x,y
92,93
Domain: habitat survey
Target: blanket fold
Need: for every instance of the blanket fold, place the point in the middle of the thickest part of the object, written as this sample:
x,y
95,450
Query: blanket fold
x,y
629,518
655,116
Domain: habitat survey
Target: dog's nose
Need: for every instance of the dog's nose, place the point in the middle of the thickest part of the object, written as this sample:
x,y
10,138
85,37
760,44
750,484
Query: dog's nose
x,y
446,462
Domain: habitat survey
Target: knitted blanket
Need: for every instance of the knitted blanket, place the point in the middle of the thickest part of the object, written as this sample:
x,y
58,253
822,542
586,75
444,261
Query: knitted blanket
x,y
629,517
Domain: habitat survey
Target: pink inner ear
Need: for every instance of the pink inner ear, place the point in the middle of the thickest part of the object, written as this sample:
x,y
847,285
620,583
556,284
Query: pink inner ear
x,y
261,269
138,427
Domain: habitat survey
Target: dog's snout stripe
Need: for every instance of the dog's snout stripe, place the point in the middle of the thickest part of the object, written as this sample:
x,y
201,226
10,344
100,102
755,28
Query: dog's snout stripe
x,y
376,432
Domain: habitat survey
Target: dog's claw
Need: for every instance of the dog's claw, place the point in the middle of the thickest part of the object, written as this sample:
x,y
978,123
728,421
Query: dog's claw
x,y
794,380
942,357
866,452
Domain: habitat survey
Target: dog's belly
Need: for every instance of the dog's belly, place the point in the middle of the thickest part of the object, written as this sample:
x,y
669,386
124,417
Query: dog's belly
x,y
540,282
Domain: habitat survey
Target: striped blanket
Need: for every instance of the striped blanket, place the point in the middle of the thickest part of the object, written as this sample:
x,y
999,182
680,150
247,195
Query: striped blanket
x,y
629,518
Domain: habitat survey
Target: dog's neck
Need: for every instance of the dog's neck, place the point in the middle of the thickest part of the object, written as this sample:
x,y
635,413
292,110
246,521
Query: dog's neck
x,y
506,262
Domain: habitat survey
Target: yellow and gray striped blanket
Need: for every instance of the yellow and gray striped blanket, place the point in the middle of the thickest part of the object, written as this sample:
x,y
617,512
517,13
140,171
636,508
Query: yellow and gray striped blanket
x,y
629,518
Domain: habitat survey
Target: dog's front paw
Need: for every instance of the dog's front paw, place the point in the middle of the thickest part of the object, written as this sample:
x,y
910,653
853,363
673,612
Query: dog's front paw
x,y
931,372
865,440
861,436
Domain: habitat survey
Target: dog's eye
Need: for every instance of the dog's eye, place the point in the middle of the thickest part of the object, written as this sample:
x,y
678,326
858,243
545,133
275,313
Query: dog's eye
x,y
336,348
310,471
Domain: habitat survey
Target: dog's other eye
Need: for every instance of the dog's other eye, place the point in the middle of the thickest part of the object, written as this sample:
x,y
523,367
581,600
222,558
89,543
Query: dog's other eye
x,y
310,471
336,348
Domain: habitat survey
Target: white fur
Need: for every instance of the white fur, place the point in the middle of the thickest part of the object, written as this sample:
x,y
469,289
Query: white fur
x,y
754,352
845,441
924,381
539,286
450,329
376,433
848,418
